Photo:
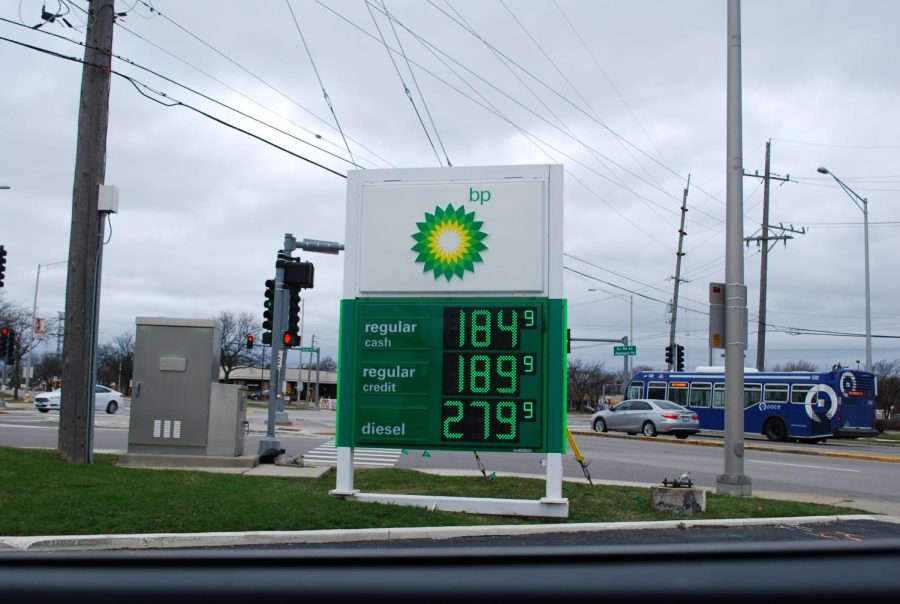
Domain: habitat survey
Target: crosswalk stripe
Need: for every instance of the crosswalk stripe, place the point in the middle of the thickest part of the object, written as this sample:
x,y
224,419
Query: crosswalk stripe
x,y
326,454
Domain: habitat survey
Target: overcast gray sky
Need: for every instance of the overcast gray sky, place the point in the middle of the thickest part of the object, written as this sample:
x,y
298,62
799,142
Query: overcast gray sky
x,y
628,95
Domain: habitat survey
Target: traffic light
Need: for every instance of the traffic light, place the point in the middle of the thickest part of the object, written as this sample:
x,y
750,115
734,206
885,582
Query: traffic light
x,y
2,264
668,355
8,345
269,305
250,341
299,274
679,358
293,326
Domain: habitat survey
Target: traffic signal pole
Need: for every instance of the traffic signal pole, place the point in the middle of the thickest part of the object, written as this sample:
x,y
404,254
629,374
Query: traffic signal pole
x,y
270,446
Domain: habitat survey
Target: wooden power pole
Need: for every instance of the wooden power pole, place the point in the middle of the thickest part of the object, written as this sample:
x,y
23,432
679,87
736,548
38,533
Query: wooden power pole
x,y
763,240
678,279
77,404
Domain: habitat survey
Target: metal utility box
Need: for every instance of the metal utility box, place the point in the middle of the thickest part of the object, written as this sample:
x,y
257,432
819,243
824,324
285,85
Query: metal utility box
x,y
177,405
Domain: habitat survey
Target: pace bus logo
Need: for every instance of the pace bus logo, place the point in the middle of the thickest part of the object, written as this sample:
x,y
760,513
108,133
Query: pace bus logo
x,y
449,242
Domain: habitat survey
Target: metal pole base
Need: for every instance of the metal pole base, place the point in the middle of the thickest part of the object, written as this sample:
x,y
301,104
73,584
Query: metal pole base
x,y
733,484
269,449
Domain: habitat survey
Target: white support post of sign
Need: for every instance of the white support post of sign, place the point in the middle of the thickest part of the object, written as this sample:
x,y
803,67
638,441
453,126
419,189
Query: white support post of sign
x,y
554,480
344,486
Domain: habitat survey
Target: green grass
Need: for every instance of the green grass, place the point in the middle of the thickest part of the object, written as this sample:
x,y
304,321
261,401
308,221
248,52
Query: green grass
x,y
42,495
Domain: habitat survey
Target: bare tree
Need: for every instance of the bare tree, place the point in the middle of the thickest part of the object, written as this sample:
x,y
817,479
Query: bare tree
x,y
888,375
800,365
24,339
115,361
326,364
235,329
585,382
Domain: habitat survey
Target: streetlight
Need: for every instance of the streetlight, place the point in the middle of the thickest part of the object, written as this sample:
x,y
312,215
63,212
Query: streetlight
x,y
37,282
630,320
863,204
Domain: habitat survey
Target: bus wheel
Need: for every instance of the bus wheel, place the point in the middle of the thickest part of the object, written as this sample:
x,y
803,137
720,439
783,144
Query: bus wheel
x,y
775,430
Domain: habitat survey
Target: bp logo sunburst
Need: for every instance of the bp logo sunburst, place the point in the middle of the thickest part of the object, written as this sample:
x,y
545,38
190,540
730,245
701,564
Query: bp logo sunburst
x,y
449,242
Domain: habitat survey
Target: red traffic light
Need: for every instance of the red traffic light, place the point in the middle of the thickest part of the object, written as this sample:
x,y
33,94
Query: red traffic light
x,y
287,338
4,331
250,341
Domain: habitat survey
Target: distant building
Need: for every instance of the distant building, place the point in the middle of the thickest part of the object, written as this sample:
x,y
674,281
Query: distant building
x,y
298,380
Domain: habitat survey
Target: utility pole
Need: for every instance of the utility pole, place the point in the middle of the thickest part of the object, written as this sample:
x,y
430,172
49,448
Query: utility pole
x,y
763,240
733,481
678,256
76,408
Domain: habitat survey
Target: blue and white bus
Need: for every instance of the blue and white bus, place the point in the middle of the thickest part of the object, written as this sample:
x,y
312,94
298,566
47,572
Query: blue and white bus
x,y
803,405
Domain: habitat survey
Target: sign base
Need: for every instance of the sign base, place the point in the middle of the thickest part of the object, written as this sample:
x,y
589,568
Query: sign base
x,y
548,507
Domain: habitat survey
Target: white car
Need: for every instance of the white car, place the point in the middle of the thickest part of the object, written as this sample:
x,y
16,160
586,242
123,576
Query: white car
x,y
105,399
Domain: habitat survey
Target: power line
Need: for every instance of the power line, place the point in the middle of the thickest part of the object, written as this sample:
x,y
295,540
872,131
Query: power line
x,y
400,75
412,73
250,73
322,85
198,93
175,103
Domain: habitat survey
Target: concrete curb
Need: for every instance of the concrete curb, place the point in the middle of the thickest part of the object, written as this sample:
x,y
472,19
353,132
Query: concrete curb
x,y
266,538
754,447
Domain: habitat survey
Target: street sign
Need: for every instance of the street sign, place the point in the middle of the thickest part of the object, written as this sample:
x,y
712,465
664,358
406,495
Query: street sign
x,y
306,349
624,351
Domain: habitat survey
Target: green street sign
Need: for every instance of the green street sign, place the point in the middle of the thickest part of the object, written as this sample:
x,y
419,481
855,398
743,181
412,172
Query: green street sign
x,y
624,351
306,349
485,374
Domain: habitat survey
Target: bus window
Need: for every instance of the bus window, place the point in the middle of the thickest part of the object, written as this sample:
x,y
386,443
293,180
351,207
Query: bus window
x,y
678,393
636,390
799,392
656,390
700,394
752,394
718,400
776,393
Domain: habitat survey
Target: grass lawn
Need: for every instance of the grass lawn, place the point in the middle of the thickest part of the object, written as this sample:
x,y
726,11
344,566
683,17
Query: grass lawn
x,y
42,495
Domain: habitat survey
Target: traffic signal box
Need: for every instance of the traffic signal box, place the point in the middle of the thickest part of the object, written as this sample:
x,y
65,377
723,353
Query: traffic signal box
x,y
269,305
668,355
2,264
7,345
679,358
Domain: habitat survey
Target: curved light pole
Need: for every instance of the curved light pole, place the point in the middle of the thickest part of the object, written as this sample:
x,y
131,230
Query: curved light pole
x,y
863,204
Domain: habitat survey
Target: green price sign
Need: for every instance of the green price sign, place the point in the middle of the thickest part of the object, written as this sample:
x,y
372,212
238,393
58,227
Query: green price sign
x,y
471,374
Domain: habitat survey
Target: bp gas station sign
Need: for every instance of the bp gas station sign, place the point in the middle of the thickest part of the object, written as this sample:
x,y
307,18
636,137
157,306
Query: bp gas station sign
x,y
452,320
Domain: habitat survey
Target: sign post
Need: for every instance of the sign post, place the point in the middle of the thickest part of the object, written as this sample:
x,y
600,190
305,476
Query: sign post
x,y
453,324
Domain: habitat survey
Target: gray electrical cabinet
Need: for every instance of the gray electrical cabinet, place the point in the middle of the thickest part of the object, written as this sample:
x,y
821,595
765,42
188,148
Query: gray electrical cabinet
x,y
177,405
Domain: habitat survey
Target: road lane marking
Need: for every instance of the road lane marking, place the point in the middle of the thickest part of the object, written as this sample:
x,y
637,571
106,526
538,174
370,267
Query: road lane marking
x,y
797,465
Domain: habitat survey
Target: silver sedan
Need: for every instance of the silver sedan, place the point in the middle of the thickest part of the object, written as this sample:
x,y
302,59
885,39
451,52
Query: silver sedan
x,y
649,417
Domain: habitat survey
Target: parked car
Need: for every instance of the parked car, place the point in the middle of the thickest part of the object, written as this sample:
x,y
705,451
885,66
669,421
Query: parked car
x,y
105,399
649,417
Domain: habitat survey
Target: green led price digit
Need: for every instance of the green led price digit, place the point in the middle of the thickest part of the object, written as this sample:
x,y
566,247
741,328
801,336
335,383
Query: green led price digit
x,y
512,327
481,331
486,407
456,418
528,408
480,378
508,371
528,362
508,419
528,315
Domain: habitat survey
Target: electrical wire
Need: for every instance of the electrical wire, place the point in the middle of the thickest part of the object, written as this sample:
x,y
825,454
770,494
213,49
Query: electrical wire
x,y
399,75
196,92
416,82
322,85
251,74
174,102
